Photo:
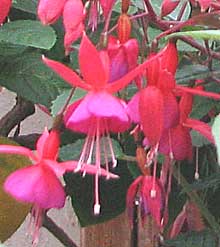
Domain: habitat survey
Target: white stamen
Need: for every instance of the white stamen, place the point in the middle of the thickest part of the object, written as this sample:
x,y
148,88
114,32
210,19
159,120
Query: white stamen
x,y
153,193
97,209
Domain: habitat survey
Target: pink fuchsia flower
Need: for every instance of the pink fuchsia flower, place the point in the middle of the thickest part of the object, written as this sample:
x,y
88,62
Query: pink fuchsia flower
x,y
177,141
39,184
122,56
49,11
150,204
73,17
99,112
94,11
4,9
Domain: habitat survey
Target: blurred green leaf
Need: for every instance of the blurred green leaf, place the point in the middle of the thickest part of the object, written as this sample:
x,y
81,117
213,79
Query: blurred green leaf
x,y
198,34
30,78
28,33
29,6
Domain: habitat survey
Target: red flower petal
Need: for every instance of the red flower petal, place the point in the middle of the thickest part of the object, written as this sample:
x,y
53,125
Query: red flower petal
x,y
4,9
203,128
50,10
91,66
66,73
151,107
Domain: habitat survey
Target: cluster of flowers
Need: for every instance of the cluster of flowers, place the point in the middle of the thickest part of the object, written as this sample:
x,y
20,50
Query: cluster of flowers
x,y
160,108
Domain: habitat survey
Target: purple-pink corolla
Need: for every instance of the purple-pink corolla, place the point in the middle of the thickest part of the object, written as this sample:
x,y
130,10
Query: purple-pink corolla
x,y
99,112
39,183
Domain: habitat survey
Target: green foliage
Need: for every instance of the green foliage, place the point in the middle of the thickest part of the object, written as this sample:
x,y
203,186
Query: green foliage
x,y
194,239
30,78
81,189
28,33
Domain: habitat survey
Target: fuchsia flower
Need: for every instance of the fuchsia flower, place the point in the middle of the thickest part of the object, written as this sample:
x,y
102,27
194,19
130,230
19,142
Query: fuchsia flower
x,y
123,57
99,112
94,11
49,11
177,140
4,9
141,190
39,184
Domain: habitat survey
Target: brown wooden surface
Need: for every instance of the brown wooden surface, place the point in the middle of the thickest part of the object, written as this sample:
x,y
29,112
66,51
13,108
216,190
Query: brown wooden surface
x,y
114,233
117,233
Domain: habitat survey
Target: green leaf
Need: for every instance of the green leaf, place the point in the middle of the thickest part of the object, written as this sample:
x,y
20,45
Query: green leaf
x,y
30,78
28,33
29,6
61,99
12,213
197,139
198,34
7,49
81,189
194,239
216,135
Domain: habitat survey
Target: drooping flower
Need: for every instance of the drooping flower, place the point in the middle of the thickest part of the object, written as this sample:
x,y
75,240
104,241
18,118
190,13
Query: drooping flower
x,y
38,184
99,112
49,11
178,140
73,17
4,9
150,204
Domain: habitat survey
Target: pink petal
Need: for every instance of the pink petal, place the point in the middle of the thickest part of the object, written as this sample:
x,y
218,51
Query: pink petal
x,y
203,128
130,198
154,204
133,108
185,105
151,107
92,69
77,117
125,80
165,80
50,10
66,73
36,184
41,143
106,6
171,110
10,149
169,59
4,9
71,35
118,64
178,224
179,143
132,49
51,145
73,14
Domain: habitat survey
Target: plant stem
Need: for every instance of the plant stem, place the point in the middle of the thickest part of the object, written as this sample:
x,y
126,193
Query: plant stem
x,y
58,232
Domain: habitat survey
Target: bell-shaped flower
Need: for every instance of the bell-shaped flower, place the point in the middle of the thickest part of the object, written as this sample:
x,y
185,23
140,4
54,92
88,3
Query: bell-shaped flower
x,y
99,112
49,11
122,56
73,16
178,140
140,192
39,183
4,9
